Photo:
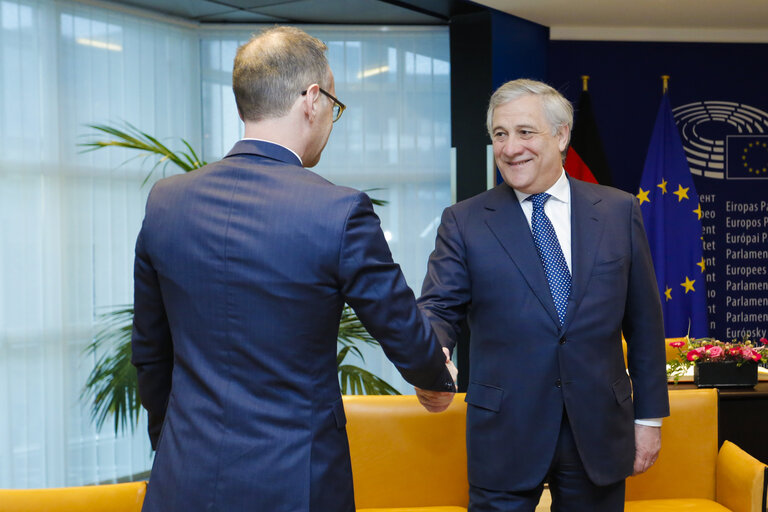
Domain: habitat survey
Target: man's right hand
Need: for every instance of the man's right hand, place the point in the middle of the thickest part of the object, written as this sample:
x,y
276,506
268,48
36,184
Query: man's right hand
x,y
438,401
434,401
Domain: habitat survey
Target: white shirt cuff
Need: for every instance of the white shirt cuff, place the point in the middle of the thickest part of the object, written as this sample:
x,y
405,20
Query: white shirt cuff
x,y
649,422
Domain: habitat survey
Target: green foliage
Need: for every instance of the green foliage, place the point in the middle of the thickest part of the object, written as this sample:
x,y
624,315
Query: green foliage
x,y
676,368
147,145
355,380
112,385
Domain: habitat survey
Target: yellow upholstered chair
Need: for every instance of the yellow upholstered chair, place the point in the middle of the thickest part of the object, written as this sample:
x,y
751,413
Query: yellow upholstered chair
x,y
405,458
127,497
690,474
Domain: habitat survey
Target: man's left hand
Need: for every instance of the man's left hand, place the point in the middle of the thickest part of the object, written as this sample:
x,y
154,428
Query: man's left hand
x,y
647,446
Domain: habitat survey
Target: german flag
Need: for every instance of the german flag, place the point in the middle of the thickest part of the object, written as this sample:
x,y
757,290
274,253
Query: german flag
x,y
585,159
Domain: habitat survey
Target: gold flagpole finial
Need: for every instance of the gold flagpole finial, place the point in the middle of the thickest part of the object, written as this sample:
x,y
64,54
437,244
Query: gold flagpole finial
x,y
584,80
664,84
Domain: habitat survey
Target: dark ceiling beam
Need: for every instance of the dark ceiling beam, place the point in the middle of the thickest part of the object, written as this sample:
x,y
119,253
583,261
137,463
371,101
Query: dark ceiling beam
x,y
411,7
440,9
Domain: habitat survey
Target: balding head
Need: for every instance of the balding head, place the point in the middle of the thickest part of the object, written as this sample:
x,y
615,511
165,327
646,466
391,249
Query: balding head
x,y
273,68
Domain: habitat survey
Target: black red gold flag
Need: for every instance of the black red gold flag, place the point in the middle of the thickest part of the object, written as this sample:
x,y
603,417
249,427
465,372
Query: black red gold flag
x,y
585,159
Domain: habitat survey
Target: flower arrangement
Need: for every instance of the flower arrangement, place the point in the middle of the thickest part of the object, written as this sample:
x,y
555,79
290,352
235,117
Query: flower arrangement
x,y
692,351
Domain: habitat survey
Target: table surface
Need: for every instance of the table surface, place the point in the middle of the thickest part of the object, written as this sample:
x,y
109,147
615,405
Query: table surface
x,y
732,393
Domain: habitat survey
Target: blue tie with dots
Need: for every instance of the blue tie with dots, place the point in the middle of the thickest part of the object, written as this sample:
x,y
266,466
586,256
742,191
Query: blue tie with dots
x,y
551,254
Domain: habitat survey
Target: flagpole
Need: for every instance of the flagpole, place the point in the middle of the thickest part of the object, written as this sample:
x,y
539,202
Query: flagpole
x,y
664,84
584,80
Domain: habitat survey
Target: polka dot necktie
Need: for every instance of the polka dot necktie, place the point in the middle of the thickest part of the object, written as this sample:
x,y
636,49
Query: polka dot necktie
x,y
551,254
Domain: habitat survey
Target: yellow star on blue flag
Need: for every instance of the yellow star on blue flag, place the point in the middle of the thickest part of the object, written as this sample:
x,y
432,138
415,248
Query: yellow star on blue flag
x,y
673,224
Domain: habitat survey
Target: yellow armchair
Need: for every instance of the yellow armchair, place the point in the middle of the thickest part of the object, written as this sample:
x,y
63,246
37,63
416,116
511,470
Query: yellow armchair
x,y
405,458
690,474
127,497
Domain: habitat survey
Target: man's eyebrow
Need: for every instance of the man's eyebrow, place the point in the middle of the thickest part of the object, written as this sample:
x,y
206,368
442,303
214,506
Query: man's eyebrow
x,y
523,126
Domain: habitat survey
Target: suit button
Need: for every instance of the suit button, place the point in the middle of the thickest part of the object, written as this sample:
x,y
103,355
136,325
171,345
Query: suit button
x,y
558,383
562,340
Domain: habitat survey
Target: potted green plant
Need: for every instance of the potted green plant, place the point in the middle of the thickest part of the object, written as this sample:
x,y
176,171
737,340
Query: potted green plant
x,y
112,387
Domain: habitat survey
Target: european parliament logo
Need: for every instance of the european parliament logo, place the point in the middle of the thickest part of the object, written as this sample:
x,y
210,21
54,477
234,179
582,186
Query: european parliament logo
x,y
724,140
747,157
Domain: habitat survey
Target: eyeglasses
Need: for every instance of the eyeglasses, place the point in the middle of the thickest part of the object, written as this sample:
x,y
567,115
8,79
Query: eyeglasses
x,y
338,107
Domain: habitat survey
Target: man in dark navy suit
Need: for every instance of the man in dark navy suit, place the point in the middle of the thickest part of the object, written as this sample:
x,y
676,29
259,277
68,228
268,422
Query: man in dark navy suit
x,y
242,269
549,271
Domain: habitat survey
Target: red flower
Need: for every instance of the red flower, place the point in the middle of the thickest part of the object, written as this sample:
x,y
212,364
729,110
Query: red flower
x,y
735,351
678,344
764,341
693,355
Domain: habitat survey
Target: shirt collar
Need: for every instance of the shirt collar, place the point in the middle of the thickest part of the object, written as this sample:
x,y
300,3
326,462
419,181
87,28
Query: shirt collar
x,y
561,190
276,144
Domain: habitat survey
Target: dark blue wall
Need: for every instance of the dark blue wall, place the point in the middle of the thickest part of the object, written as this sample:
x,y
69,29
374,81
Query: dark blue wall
x,y
520,49
626,88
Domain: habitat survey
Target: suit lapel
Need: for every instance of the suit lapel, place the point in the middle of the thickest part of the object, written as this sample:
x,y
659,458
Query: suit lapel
x,y
505,219
587,224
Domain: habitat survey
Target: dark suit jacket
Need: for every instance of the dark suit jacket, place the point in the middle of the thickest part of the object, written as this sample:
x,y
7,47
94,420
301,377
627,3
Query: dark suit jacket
x,y
242,269
525,368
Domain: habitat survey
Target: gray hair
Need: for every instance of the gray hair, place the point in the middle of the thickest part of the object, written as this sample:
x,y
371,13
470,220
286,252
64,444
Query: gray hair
x,y
273,68
557,110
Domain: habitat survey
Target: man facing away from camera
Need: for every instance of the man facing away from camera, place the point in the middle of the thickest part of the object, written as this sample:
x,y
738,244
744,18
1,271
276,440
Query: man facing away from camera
x,y
549,271
242,270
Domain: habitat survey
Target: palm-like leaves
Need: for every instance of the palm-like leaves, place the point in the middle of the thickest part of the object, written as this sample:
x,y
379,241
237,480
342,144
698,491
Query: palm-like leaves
x,y
149,146
355,380
112,384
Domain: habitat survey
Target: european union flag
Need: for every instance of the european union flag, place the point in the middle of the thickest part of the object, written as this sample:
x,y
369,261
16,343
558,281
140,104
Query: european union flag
x,y
672,217
747,157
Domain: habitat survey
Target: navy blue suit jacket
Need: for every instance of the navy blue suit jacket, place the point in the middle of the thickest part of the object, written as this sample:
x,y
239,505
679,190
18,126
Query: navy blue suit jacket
x,y
524,367
242,269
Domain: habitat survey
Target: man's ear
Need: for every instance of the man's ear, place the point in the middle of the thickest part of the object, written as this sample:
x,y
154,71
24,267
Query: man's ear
x,y
310,100
563,136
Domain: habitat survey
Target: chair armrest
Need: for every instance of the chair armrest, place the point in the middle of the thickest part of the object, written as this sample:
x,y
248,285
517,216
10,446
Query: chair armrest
x,y
125,497
741,480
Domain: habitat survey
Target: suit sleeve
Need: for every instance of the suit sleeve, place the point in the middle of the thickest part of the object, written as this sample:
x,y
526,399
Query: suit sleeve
x,y
374,286
151,343
643,328
445,294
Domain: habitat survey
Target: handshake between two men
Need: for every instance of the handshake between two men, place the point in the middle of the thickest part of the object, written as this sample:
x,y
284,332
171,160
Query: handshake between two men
x,y
438,401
